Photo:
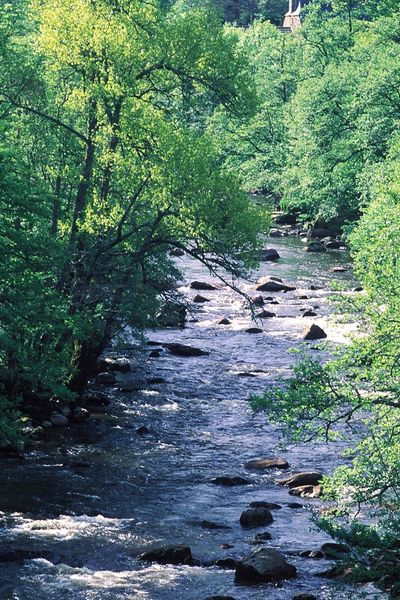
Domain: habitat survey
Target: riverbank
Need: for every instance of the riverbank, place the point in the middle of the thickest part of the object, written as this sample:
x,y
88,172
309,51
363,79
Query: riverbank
x,y
139,473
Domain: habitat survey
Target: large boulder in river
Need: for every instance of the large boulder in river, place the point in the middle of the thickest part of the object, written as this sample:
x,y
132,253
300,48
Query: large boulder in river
x,y
303,478
254,517
169,555
270,462
273,284
268,254
202,285
186,351
264,565
314,333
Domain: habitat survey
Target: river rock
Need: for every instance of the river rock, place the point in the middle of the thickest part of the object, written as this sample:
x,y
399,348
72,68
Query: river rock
x,y
306,491
224,321
273,284
265,314
275,233
80,414
261,538
200,299
258,300
226,563
314,332
270,462
58,420
230,481
309,313
339,270
333,549
220,598
186,351
333,572
106,379
155,354
254,517
358,289
315,247
118,364
262,504
264,565
333,245
169,555
156,380
268,254
211,525
95,398
253,330
294,505
202,285
302,478
304,597
143,430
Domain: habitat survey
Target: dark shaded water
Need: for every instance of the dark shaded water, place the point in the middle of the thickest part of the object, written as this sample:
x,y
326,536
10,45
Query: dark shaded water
x,y
89,523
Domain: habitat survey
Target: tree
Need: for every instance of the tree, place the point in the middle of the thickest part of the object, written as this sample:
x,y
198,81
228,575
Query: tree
x,y
107,173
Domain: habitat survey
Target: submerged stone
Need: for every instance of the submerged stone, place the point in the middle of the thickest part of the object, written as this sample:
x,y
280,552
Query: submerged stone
x,y
230,481
169,555
186,351
202,285
270,462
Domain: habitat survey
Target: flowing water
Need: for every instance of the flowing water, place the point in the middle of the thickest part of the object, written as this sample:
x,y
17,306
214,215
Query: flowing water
x,y
90,500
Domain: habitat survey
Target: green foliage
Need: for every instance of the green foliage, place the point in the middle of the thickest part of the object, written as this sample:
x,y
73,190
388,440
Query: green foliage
x,y
357,395
104,167
258,145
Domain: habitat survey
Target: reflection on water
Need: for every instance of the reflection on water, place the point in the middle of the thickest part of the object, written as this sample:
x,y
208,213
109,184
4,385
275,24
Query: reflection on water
x,y
83,507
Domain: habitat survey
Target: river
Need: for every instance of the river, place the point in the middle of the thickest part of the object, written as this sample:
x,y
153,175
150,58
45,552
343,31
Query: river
x,y
91,499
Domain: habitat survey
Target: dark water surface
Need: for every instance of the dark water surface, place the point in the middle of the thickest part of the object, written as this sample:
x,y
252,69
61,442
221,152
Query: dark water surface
x,y
88,523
